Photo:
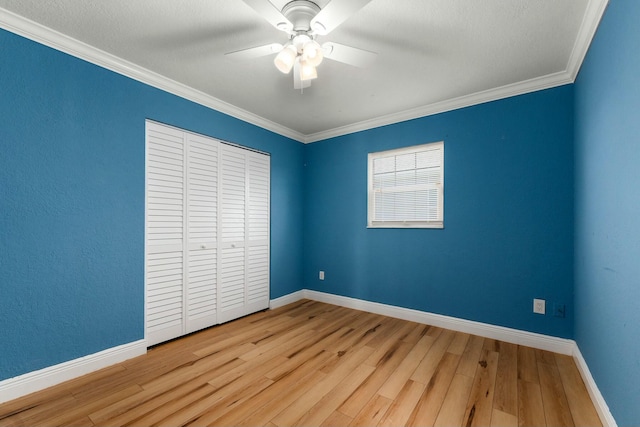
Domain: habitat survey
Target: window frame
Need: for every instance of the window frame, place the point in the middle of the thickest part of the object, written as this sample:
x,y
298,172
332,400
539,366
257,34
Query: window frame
x,y
372,222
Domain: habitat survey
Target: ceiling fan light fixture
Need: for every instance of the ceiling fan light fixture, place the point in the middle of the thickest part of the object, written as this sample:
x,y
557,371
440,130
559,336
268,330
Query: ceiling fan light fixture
x,y
312,53
307,71
286,58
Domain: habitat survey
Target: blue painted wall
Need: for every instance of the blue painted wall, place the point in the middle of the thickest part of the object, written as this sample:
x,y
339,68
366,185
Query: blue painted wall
x,y
508,216
607,325
72,202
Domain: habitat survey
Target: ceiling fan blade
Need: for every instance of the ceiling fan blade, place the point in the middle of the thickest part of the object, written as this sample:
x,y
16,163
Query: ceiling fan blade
x,y
269,12
348,55
254,52
298,83
334,14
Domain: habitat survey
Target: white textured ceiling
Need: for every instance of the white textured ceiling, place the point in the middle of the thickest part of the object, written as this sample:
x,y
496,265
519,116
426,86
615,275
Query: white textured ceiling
x,y
433,55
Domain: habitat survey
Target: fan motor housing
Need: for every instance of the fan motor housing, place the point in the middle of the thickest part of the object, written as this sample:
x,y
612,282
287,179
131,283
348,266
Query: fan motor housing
x,y
300,13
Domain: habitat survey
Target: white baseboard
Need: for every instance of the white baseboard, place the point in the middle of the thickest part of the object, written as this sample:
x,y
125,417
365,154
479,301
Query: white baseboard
x,y
596,397
31,382
514,336
287,299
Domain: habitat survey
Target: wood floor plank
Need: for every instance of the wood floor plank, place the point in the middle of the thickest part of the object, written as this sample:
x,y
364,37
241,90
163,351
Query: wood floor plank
x,y
453,408
385,364
104,379
244,373
80,410
459,343
582,409
480,405
403,405
36,413
503,419
389,328
506,389
362,333
203,394
530,406
470,357
544,356
220,411
304,403
193,369
306,350
337,419
286,388
372,412
426,411
252,333
261,410
156,395
556,407
296,333
403,372
245,376
311,363
332,400
425,370
527,365
417,333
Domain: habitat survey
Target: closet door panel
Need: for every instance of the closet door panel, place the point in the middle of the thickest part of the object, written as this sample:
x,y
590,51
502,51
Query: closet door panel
x,y
164,296
258,276
164,265
201,289
232,283
232,259
232,194
257,226
202,230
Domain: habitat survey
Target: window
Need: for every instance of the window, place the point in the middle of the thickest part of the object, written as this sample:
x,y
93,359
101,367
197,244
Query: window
x,y
406,187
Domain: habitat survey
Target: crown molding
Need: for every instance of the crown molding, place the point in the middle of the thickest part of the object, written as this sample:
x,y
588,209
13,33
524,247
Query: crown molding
x,y
39,33
520,88
592,17
56,40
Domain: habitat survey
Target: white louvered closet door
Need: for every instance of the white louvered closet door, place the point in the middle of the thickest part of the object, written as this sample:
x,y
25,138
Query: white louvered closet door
x,y
202,230
164,234
257,228
207,232
244,232
233,196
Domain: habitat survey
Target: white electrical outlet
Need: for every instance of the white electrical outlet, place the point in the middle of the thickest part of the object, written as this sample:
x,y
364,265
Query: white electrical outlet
x,y
539,306
321,275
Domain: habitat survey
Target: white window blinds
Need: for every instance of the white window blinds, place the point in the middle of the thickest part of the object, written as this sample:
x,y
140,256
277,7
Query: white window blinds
x,y
406,187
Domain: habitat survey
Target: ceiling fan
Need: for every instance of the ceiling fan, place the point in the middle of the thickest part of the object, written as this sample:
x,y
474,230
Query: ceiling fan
x,y
303,21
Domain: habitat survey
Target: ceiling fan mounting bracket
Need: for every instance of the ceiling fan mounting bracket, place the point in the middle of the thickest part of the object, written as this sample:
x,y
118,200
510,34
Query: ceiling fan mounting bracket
x,y
300,13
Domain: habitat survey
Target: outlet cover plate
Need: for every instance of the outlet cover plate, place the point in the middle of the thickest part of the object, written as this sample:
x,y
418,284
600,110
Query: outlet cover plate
x,y
538,306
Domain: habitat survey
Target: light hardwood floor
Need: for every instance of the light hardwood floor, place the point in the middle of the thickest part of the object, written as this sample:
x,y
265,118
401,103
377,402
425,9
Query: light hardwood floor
x,y
311,363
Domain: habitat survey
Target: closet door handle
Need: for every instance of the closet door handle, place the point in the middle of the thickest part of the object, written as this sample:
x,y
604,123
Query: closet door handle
x,y
203,246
